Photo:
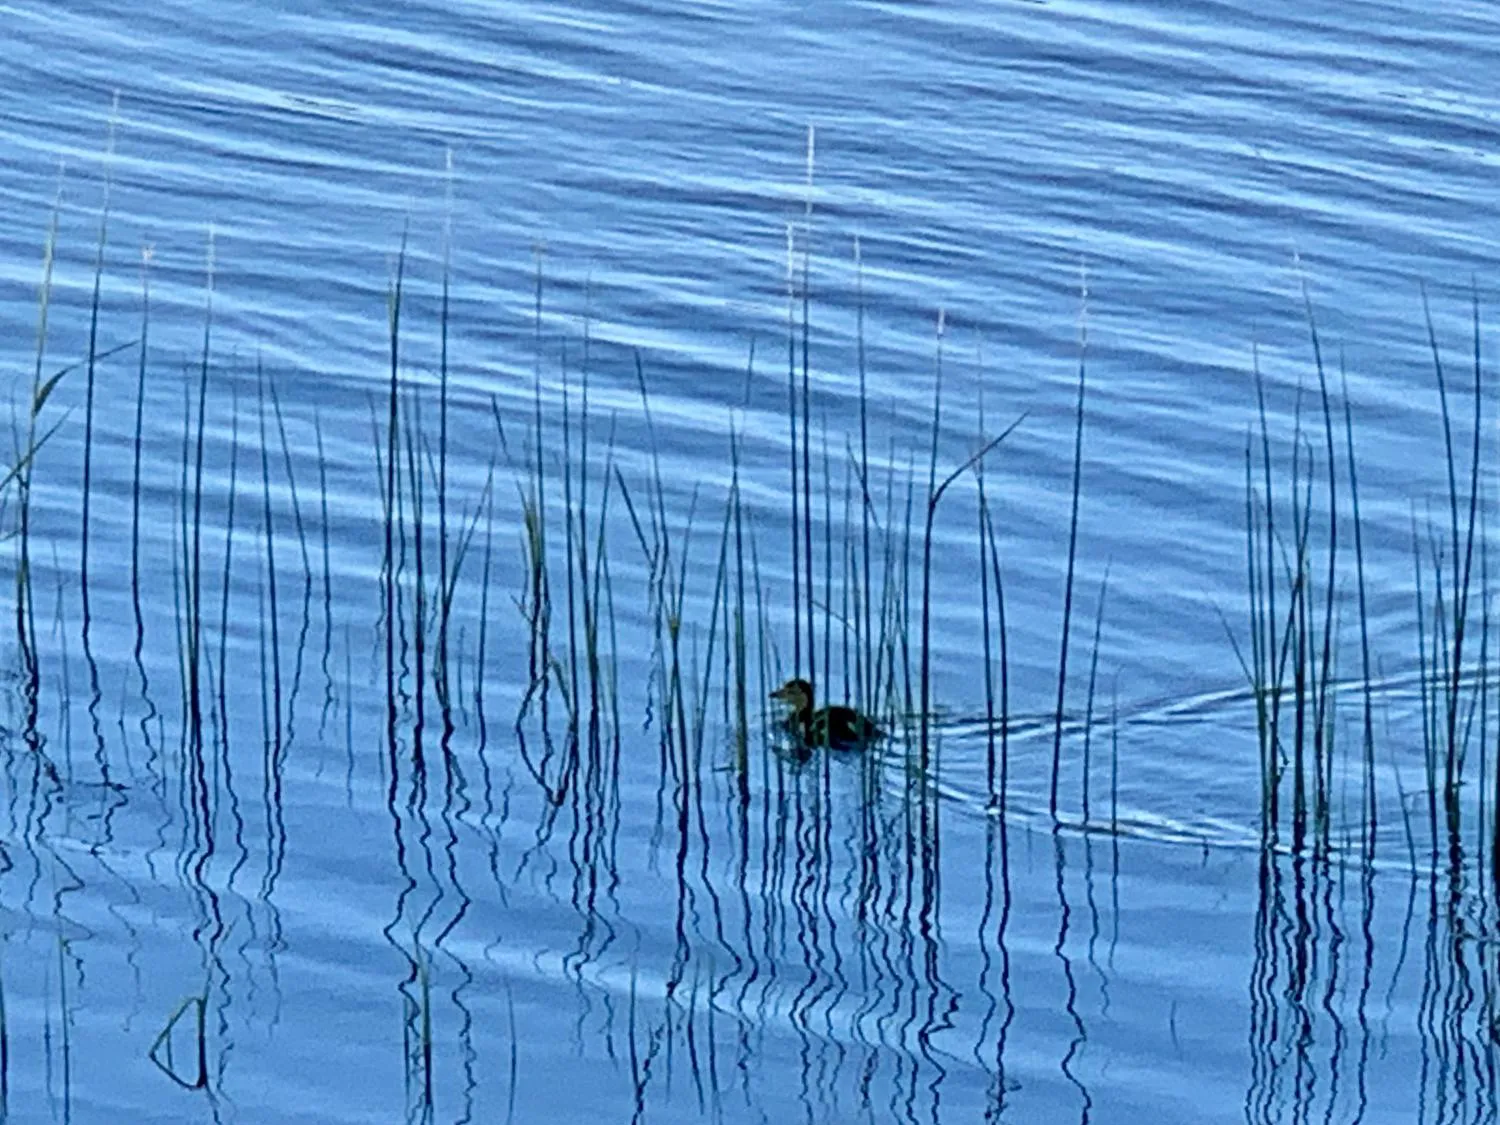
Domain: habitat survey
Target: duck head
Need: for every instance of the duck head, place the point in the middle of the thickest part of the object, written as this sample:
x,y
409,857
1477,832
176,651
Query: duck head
x,y
796,694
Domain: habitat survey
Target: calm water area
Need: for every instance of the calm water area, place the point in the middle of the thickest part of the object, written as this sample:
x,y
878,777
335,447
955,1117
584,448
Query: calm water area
x,y
361,773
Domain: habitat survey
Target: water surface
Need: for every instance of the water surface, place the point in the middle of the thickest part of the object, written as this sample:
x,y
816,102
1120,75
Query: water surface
x,y
382,926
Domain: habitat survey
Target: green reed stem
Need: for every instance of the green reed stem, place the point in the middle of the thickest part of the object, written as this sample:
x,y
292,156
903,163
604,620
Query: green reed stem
x,y
1062,659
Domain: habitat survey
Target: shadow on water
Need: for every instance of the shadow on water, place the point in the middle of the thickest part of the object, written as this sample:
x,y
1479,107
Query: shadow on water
x,y
541,866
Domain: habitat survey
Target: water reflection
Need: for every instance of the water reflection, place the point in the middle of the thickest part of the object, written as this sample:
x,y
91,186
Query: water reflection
x,y
808,936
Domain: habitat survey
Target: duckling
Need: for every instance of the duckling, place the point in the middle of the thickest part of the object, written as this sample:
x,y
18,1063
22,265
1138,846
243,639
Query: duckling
x,y
836,726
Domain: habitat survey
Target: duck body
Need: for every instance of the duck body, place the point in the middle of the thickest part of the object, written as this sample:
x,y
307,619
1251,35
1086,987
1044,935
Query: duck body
x,y
836,727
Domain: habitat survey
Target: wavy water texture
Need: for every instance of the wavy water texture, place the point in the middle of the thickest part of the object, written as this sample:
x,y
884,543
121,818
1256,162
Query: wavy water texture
x,y
414,530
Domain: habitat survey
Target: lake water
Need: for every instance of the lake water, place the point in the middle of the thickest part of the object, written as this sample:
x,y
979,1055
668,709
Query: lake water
x,y
287,836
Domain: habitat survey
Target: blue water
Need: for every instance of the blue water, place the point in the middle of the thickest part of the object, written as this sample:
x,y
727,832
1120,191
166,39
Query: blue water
x,y
1144,189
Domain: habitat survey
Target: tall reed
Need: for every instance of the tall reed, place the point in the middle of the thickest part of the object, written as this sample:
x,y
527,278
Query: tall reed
x,y
1067,616
90,381
21,470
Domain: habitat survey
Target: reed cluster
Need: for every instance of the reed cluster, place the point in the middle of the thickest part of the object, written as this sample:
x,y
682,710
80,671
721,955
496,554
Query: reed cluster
x,y
861,525
1306,566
